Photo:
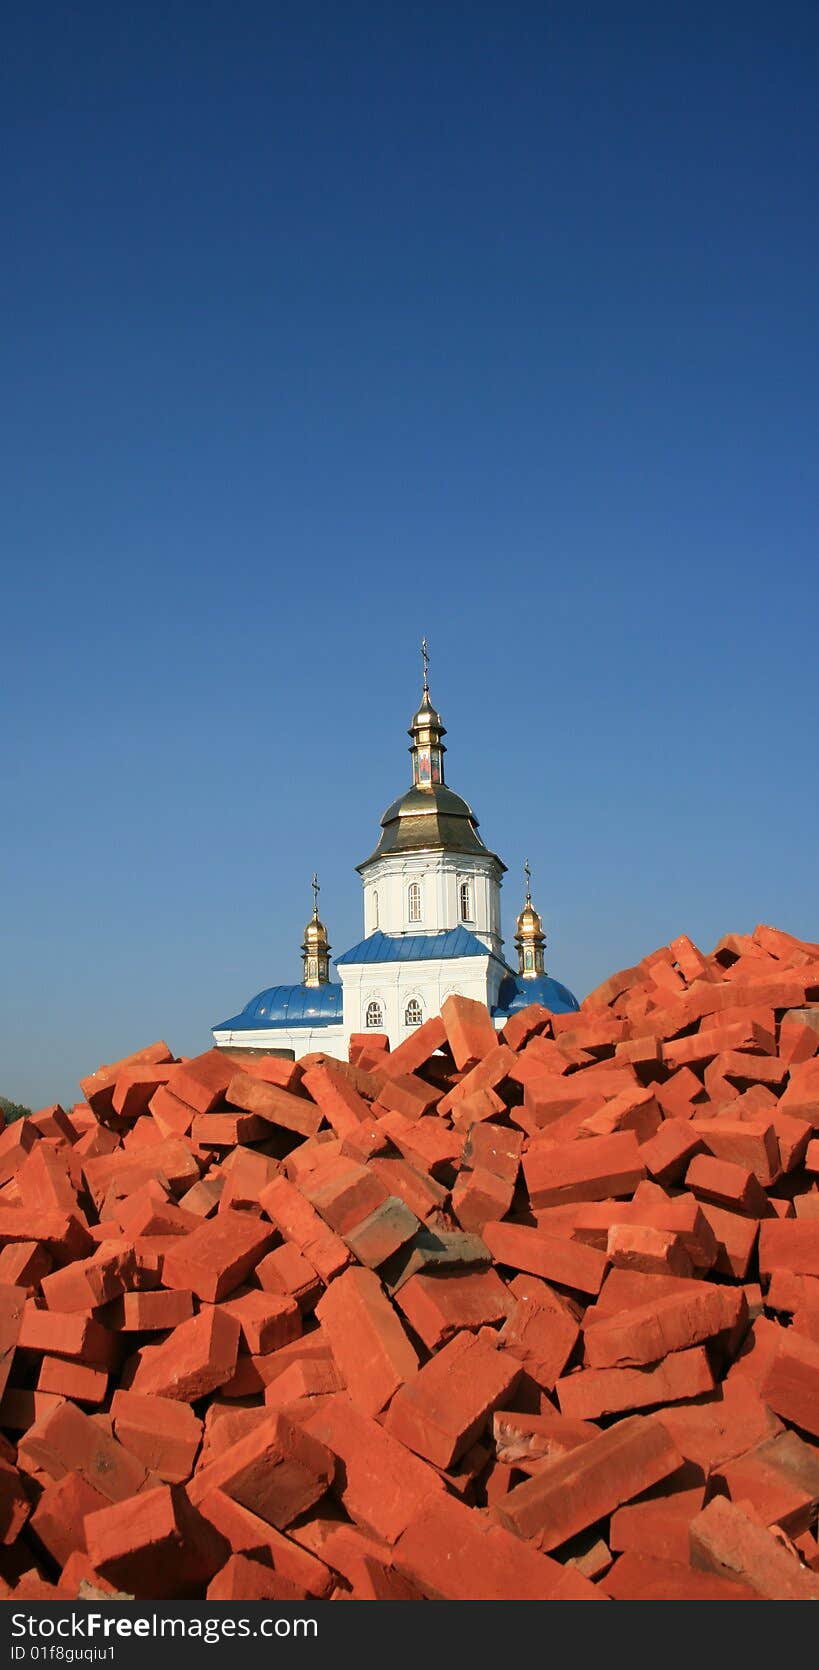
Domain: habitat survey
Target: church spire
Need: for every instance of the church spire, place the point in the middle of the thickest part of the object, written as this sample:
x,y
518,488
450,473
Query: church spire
x,y
530,939
316,948
427,730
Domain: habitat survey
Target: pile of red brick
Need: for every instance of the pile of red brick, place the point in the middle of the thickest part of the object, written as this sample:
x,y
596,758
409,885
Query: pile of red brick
x,y
529,1315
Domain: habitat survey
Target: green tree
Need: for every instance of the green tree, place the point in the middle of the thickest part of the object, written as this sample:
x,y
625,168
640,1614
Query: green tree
x,y
13,1110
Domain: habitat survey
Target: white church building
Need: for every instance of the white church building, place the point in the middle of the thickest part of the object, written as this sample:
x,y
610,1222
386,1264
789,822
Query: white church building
x,y
432,926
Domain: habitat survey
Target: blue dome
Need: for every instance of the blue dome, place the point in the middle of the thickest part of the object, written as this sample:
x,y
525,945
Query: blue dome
x,y
516,993
288,1006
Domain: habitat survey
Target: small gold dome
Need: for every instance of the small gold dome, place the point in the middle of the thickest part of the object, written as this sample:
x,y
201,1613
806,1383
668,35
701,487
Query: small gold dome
x,y
530,940
316,946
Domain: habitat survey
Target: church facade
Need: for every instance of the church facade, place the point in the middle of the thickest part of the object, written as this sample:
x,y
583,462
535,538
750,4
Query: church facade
x,y
432,926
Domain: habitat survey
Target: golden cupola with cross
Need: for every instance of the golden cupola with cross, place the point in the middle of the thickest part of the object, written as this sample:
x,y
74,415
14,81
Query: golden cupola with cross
x,y
530,939
316,948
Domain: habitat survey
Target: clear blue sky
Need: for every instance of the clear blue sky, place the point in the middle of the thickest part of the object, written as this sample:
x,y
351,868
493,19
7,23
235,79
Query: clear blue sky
x,y
328,325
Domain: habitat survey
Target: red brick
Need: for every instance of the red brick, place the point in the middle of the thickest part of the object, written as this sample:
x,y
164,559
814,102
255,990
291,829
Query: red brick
x,y
726,1541
376,1237
490,1072
682,1215
246,1533
427,1144
343,1192
480,1196
196,1358
85,1285
276,1471
65,1234
218,1255
469,1031
781,1480
367,1338
645,1577
173,1116
337,1099
274,1069
541,1333
155,1547
789,1292
285,1270
170,1159
797,1042
700,1047
420,1193
306,1378
525,1024
728,1185
407,1094
789,1245
164,1435
711,1433
15,1506
593,1392
23,1264
680,1095
634,1109
751,1143
226,1129
64,1440
590,1170
654,1251
526,1441
649,1332
442,1410
267,1320
657,1526
436,1307
13,1301
98,1088
243,1578
790,1386
473,1109
736,1240
297,1221
548,1096
135,1085
153,1312
451,1553
273,1105
44,1182
74,1380
76,1334
380,1484
577,1490
416,1050
552,1257
16,1140
59,1516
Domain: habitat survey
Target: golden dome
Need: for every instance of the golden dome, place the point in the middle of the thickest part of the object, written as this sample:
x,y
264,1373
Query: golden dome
x,y
316,946
530,940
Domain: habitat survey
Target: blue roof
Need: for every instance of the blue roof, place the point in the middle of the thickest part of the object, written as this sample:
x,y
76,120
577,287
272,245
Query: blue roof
x,y
413,948
288,1006
516,993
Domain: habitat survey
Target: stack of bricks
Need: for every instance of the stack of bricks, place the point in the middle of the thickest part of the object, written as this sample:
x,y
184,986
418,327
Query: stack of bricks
x,y
529,1315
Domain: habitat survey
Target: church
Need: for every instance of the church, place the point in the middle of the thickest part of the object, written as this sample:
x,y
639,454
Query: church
x,y
432,926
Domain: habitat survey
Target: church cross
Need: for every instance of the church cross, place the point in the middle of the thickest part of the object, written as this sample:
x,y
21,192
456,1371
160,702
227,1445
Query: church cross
x,y
316,890
425,658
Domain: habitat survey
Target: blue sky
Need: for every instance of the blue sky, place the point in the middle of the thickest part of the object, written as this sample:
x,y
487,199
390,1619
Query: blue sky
x,y
326,326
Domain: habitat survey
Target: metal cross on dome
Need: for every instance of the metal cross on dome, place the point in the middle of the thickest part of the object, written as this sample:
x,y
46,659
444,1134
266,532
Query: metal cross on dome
x,y
316,890
528,874
425,658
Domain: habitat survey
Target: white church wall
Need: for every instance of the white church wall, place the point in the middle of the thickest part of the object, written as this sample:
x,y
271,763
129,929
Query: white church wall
x,y
439,878
394,986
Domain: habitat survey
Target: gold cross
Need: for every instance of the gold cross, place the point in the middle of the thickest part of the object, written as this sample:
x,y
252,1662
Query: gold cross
x,y
425,657
316,890
528,874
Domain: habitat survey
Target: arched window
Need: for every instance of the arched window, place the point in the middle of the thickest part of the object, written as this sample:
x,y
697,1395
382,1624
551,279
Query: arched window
x,y
466,902
375,907
412,1013
414,901
375,1015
